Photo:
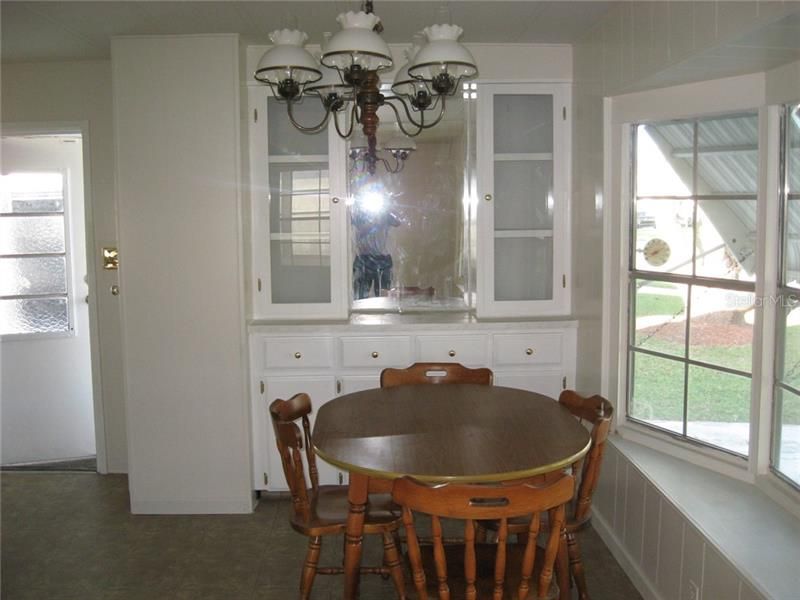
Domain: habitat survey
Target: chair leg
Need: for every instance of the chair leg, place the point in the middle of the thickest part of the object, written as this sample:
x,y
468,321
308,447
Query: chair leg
x,y
391,559
480,534
576,566
310,566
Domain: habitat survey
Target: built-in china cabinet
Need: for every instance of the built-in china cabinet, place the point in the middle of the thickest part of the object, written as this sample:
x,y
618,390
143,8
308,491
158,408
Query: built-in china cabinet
x,y
309,333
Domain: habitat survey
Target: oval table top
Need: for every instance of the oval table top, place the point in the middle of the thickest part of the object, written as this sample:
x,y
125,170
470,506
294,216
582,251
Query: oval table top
x,y
448,432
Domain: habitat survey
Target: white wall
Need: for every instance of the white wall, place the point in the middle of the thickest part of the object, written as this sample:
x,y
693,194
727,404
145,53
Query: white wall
x,y
783,84
76,92
47,408
179,190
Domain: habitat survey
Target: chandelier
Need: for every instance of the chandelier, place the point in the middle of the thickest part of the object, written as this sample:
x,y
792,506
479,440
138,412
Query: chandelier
x,y
346,81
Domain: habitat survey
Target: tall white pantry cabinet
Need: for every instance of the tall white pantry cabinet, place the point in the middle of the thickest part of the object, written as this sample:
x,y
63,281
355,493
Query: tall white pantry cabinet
x,y
178,182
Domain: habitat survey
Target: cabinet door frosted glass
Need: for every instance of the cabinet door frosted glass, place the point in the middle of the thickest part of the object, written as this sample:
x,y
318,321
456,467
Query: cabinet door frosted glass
x,y
300,233
523,268
523,194
286,140
523,124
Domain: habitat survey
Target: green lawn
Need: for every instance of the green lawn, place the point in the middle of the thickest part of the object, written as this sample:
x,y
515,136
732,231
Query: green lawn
x,y
712,395
655,304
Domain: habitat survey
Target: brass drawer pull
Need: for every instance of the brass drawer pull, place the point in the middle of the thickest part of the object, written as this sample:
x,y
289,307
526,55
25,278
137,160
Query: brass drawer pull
x,y
529,351
375,355
298,355
452,353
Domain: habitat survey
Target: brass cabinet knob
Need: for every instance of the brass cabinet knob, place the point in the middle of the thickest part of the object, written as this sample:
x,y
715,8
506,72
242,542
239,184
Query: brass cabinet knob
x,y
335,200
375,355
529,351
452,353
298,355
488,197
115,290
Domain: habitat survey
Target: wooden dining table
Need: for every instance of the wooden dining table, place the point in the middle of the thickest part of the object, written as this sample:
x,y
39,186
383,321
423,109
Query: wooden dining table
x,y
462,433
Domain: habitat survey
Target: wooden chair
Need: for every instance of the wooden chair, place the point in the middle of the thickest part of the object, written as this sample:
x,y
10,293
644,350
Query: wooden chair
x,y
429,372
322,509
476,570
598,411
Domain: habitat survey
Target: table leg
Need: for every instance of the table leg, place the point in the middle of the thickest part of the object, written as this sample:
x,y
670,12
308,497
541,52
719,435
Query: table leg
x,y
562,567
354,533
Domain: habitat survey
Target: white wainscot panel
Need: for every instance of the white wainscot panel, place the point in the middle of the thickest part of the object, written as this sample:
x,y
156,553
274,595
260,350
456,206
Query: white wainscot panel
x,y
669,551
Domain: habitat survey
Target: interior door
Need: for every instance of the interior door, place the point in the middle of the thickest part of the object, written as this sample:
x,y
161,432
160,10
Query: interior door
x,y
47,404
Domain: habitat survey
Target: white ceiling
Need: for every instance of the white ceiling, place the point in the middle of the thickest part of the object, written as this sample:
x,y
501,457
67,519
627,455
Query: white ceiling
x,y
39,31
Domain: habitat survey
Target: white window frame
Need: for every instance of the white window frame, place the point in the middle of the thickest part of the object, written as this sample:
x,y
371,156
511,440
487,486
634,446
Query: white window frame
x,y
633,273
724,96
781,113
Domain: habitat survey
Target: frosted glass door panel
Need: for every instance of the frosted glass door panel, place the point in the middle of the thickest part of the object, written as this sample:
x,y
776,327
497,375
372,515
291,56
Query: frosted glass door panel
x,y
285,140
523,268
523,124
523,194
300,248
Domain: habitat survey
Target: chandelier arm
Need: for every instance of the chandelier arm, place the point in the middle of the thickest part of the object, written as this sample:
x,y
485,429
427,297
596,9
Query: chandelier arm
x,y
400,120
421,125
304,129
338,130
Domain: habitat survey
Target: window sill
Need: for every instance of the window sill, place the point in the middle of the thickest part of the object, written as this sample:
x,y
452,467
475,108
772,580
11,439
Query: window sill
x,y
696,454
757,536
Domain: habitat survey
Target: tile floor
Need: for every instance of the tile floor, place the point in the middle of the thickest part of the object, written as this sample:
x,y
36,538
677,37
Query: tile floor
x,y
70,536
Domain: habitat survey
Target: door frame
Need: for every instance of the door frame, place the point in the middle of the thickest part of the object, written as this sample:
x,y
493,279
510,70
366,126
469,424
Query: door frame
x,y
82,128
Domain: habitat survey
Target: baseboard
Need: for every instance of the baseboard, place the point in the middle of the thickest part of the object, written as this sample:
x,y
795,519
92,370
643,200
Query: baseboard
x,y
192,507
640,581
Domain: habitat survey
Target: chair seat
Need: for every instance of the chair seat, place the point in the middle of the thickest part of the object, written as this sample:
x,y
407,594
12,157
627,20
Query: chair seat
x,y
329,508
485,558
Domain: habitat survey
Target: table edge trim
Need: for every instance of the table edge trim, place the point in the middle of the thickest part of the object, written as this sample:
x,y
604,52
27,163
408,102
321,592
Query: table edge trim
x,y
490,478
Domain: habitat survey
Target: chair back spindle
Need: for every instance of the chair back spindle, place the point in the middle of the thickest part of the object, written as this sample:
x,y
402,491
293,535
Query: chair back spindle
x,y
471,503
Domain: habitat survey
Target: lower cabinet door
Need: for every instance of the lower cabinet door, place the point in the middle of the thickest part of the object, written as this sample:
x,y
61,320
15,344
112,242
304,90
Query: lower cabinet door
x,y
548,383
268,473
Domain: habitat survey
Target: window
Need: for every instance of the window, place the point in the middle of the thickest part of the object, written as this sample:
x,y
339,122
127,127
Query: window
x,y
33,254
692,273
786,432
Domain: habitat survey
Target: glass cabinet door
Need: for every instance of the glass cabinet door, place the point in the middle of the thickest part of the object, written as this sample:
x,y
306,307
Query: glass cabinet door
x,y
522,181
297,214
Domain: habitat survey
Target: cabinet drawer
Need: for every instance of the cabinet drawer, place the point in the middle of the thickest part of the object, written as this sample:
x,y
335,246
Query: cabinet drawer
x,y
298,352
528,349
471,350
394,351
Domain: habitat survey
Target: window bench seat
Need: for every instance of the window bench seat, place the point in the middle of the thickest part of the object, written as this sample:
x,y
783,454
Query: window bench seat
x,y
674,525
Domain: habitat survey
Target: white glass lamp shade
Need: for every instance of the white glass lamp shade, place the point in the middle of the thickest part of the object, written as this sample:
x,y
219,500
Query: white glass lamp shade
x,y
404,84
357,44
443,54
287,59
